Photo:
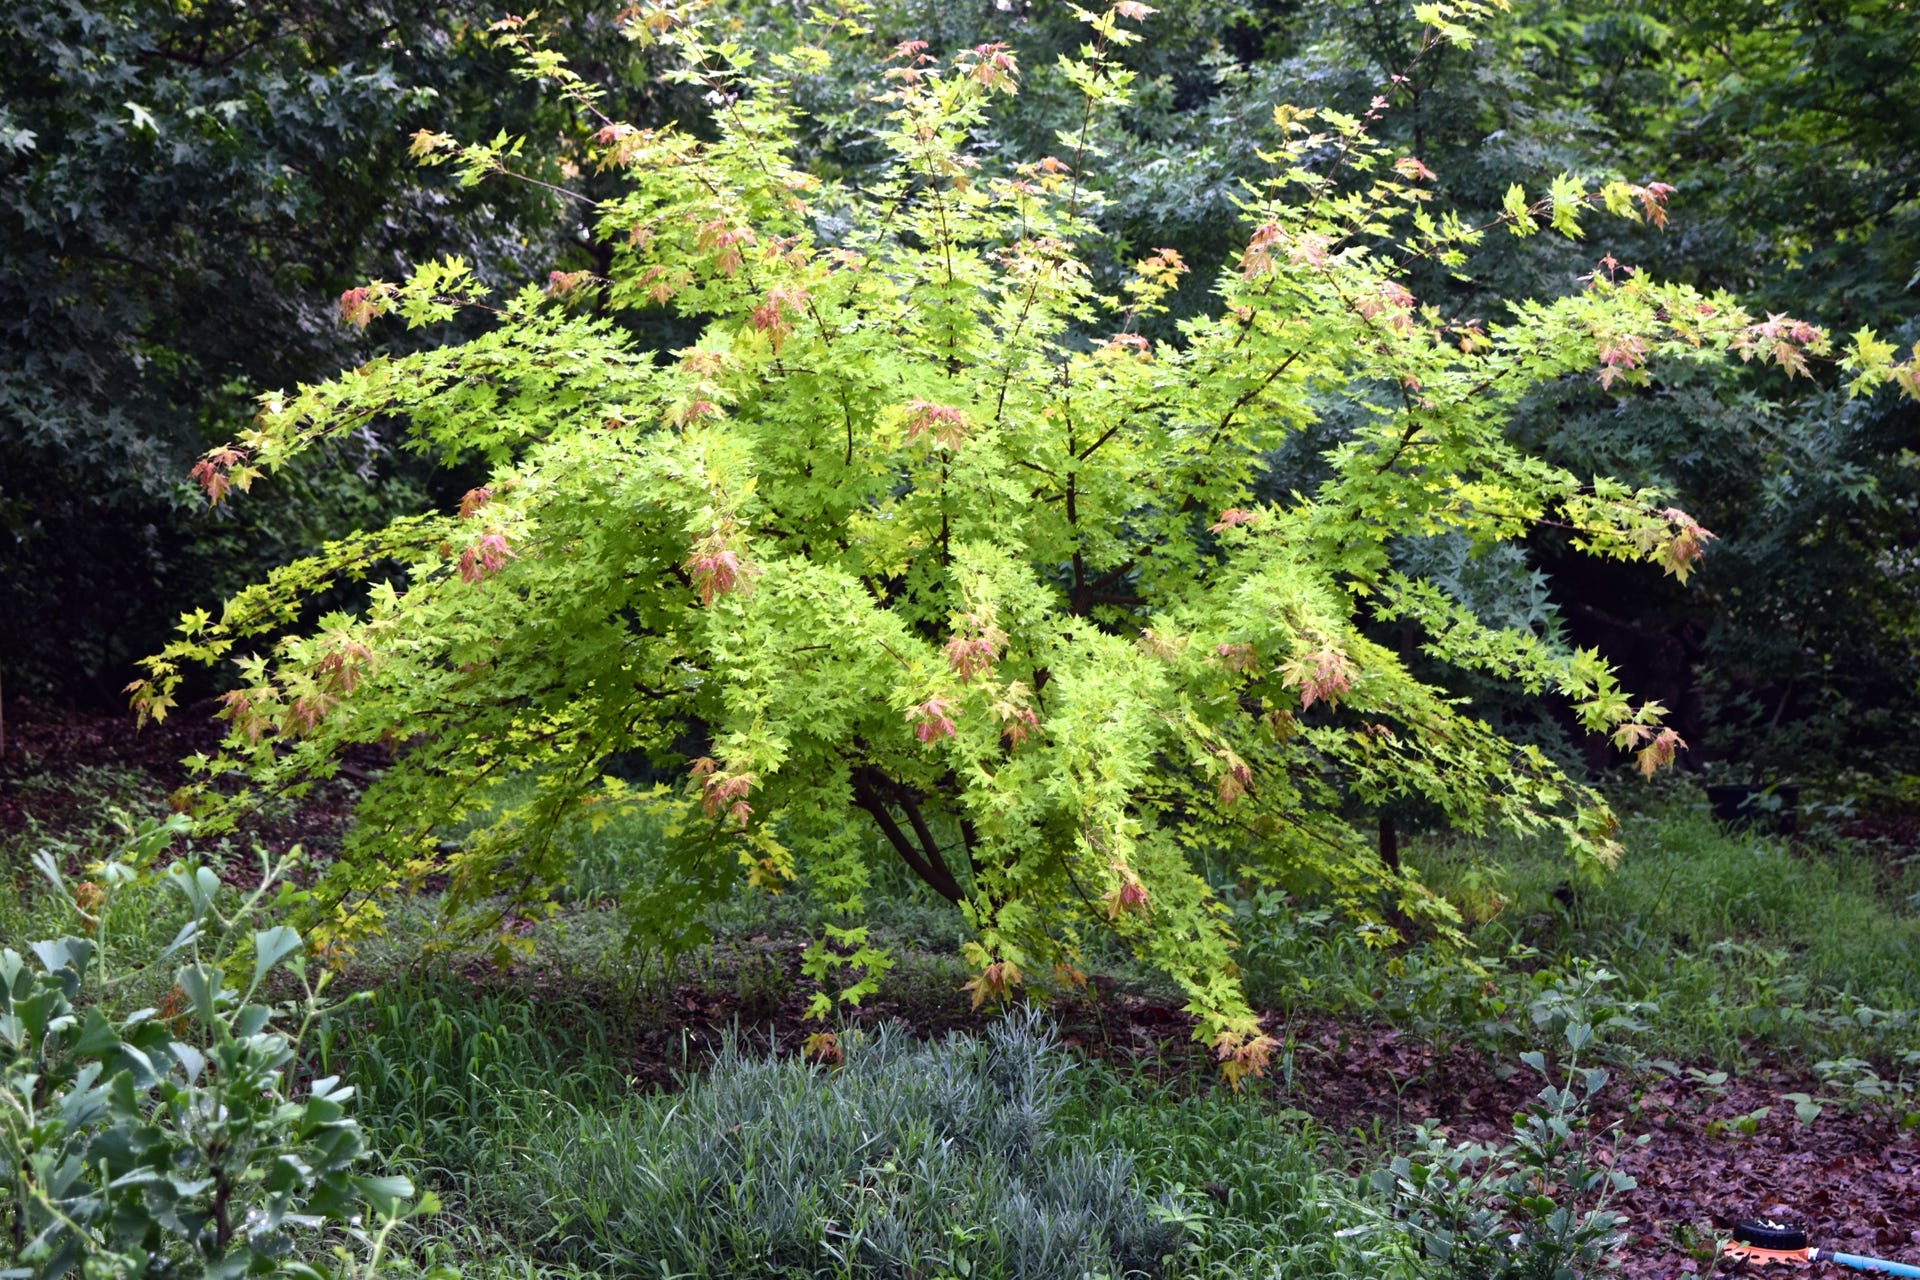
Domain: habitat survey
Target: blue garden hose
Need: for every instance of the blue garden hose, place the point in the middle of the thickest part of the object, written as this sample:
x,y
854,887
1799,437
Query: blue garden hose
x,y
1858,1263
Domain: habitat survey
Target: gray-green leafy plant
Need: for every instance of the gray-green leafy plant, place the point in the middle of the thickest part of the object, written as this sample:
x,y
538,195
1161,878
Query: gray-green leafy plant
x,y
902,1159
1537,1206
176,1140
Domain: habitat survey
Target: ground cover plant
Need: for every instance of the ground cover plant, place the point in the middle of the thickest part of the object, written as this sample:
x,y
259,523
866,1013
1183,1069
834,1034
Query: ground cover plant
x,y
484,1085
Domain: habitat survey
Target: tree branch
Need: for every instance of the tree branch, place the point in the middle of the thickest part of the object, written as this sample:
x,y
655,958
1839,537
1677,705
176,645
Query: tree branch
x,y
868,786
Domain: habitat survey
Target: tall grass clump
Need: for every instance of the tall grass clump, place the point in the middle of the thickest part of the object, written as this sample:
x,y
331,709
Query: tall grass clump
x,y
905,1159
442,1068
1256,1193
1742,939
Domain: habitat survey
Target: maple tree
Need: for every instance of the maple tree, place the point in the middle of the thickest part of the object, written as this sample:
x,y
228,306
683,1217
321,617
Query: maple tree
x,y
922,539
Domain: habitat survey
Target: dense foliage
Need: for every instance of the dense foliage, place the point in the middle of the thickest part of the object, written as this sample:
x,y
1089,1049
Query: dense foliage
x,y
904,1159
924,528
176,1139
183,191
1788,131
167,169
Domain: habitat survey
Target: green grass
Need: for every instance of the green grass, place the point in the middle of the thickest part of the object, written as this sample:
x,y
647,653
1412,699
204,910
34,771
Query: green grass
x,y
1259,1191
1744,943
1747,945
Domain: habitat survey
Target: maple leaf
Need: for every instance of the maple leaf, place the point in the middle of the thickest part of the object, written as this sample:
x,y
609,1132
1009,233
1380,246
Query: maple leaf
x,y
473,500
1322,676
1017,720
307,713
946,425
1783,340
1236,781
728,791
1687,544
1237,658
238,710
725,243
995,982
211,479
770,316
824,1048
716,569
1129,897
1165,648
215,474
487,555
1231,517
1653,201
1619,354
1241,1055
1258,258
359,307
1410,168
969,657
1309,248
426,143
1659,753
1387,296
930,720
1163,266
992,65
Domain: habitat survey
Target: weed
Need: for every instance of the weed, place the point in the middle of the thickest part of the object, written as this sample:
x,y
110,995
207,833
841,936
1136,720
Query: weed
x,y
1536,1207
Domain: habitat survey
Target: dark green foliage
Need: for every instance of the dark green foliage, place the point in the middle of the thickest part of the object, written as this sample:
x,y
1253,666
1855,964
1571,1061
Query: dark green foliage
x,y
1790,131
184,191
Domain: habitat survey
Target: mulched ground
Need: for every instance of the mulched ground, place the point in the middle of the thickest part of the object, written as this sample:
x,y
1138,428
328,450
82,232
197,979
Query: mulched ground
x,y
50,753
1854,1180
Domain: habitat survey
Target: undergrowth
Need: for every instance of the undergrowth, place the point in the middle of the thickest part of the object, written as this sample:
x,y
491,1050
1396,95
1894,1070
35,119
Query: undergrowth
x,y
970,1158
1747,947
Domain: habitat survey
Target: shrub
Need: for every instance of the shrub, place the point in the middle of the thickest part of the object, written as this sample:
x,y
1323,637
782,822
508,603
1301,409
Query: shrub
x,y
174,1141
921,532
902,1159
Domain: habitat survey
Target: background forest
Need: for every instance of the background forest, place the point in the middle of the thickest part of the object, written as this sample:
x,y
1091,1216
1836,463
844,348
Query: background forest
x,y
1524,1065
166,174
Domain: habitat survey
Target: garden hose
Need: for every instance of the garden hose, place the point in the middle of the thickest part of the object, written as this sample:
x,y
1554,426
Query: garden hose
x,y
1765,1240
